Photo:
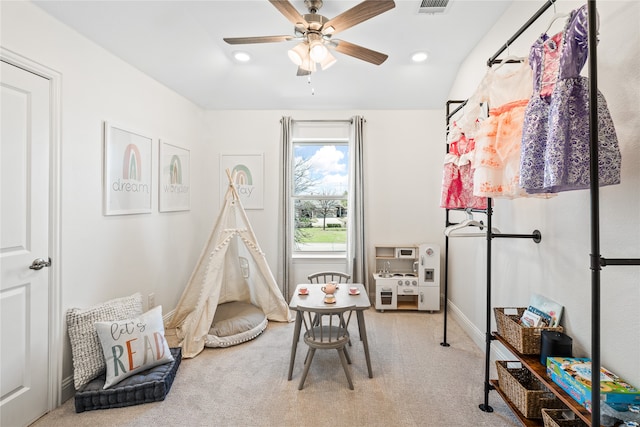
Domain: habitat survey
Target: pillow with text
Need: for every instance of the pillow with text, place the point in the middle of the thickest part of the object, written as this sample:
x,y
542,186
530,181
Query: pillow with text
x,y
133,345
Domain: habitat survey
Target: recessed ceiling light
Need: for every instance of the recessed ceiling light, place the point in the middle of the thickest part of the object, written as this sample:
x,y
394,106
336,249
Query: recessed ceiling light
x,y
419,56
241,56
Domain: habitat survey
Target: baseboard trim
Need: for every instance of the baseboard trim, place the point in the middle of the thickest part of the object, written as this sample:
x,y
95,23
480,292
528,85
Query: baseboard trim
x,y
68,390
498,351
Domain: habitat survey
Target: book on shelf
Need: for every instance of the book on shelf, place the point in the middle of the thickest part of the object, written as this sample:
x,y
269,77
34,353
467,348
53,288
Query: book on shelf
x,y
542,312
531,319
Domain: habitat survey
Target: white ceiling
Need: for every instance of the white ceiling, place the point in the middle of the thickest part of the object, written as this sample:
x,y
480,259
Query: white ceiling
x,y
179,43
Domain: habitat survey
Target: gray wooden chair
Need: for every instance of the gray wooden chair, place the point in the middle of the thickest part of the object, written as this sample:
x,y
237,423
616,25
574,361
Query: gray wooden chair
x,y
329,276
326,328
324,277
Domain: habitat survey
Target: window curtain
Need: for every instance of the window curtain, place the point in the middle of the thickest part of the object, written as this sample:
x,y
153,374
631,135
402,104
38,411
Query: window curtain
x,y
356,249
284,232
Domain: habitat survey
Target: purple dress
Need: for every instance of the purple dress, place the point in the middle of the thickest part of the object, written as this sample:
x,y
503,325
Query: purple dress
x,y
555,137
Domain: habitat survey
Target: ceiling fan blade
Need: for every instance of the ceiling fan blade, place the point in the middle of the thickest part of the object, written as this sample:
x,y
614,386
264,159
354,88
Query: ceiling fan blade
x,y
260,39
302,72
359,52
359,13
289,12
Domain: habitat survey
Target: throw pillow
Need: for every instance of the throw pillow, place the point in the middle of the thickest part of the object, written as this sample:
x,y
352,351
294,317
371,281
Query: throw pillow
x,y
88,360
133,345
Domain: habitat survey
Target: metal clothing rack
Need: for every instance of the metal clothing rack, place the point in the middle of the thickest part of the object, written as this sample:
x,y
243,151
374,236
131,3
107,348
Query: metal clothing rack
x,y
535,236
596,260
450,114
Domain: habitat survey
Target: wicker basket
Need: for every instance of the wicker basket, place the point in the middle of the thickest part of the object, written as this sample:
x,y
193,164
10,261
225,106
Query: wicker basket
x,y
525,339
555,418
525,391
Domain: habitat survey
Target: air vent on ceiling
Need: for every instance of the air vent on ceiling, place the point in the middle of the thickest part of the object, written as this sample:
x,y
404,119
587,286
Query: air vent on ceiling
x,y
433,6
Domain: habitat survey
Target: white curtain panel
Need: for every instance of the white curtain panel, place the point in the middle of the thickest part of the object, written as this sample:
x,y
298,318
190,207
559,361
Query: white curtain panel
x,y
356,250
284,232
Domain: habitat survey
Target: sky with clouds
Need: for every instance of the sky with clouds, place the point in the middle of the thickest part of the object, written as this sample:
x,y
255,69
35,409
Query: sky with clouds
x,y
328,166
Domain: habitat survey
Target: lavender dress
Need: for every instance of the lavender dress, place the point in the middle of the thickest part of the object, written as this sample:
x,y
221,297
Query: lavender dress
x,y
555,137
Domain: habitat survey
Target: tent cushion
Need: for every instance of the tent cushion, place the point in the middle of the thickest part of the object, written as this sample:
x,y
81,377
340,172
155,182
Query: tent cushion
x,y
234,323
151,385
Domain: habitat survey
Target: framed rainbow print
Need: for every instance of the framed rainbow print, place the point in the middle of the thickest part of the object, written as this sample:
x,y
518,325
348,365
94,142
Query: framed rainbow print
x,y
127,171
174,188
249,177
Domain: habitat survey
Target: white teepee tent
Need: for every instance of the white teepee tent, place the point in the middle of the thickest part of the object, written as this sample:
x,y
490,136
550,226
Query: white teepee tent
x,y
232,267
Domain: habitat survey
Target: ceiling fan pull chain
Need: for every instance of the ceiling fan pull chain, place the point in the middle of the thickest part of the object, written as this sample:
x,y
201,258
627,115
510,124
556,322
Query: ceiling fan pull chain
x,y
313,91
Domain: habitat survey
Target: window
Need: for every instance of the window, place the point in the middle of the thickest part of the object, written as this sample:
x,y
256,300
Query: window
x,y
321,183
319,195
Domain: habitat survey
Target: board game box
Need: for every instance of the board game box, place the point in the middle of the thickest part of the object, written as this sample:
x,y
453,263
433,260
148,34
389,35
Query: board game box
x,y
573,375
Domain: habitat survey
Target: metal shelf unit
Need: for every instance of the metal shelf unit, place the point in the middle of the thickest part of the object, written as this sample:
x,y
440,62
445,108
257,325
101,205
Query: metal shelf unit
x,y
596,260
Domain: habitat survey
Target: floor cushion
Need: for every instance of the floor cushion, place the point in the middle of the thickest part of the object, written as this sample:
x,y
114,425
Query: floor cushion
x,y
234,323
151,385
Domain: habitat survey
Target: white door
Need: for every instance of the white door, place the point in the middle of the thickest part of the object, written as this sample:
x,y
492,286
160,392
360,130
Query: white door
x,y
24,237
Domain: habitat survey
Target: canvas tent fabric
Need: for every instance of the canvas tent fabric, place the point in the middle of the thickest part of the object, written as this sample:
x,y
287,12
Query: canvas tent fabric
x,y
232,267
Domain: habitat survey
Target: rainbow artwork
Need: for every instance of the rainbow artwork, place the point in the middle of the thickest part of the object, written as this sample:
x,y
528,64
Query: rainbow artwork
x,y
247,173
174,178
127,172
132,164
243,175
175,170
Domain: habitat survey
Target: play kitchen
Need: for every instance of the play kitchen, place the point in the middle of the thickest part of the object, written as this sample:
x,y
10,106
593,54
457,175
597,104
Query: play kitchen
x,y
408,277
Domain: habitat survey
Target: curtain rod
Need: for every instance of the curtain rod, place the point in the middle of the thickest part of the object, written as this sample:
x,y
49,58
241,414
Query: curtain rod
x,y
522,29
324,121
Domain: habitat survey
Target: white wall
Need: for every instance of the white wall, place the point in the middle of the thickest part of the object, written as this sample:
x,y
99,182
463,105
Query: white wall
x,y
106,257
558,267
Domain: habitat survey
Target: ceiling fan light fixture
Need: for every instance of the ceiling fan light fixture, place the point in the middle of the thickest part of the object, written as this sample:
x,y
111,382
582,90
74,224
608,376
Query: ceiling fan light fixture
x,y
317,51
299,53
308,64
328,61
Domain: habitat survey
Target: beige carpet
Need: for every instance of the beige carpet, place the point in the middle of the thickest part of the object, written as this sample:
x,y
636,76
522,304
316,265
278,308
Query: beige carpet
x,y
416,382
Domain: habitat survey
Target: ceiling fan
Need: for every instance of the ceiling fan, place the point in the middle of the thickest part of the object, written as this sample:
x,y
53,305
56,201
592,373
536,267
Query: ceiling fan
x,y
315,34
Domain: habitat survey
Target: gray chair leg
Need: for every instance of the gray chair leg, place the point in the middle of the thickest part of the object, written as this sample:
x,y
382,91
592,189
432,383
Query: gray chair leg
x,y
343,325
343,359
307,365
346,354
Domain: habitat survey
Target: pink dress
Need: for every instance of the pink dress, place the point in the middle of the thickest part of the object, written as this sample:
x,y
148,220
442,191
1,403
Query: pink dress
x,y
457,179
